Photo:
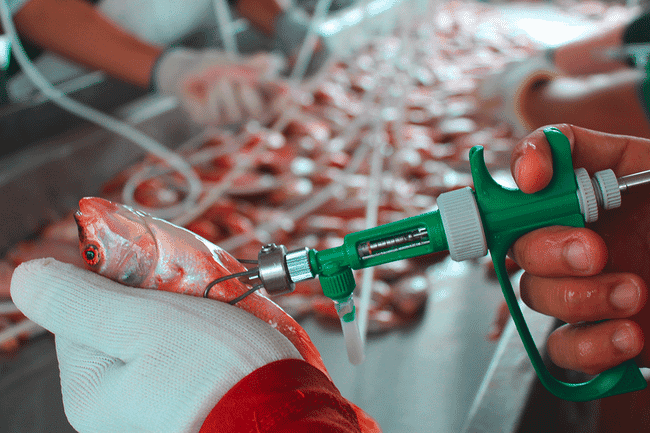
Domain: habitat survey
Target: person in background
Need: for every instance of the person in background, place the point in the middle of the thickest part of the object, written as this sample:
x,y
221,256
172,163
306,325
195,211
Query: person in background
x,y
131,42
133,359
594,82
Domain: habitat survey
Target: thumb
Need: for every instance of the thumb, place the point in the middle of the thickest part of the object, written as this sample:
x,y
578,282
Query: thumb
x,y
531,163
83,371
84,307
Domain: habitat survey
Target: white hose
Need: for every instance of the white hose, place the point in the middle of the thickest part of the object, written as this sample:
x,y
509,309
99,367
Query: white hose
x,y
309,43
107,122
372,217
226,28
376,171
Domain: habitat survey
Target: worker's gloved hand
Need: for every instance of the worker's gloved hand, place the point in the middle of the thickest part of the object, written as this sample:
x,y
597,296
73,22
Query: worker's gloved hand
x,y
584,275
141,360
502,95
218,90
291,30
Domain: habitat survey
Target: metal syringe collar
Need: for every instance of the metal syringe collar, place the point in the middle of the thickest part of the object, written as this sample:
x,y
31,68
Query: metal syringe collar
x,y
273,272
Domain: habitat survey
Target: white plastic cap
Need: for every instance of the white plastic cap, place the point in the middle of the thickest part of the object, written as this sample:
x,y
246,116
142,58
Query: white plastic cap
x,y
608,193
586,196
461,221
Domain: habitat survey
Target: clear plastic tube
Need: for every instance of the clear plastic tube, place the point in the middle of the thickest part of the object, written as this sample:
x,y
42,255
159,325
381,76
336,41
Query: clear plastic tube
x,y
309,43
372,212
226,27
353,343
97,117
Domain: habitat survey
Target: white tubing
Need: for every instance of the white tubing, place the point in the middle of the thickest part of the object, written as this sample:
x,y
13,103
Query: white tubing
x,y
107,122
226,27
309,43
353,342
372,211
376,172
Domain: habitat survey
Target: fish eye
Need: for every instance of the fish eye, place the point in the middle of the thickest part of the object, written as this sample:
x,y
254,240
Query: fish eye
x,y
91,255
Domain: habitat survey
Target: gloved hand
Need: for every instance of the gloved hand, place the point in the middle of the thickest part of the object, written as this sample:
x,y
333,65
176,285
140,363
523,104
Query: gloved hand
x,y
217,90
502,95
141,360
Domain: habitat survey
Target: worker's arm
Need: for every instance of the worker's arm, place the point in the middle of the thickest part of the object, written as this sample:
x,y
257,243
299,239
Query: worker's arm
x,y
587,55
77,31
615,103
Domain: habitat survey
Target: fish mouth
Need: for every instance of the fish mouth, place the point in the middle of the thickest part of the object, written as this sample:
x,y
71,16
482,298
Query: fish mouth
x,y
94,206
91,210
118,219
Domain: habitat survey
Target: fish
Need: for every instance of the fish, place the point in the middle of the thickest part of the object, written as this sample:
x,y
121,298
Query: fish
x,y
136,249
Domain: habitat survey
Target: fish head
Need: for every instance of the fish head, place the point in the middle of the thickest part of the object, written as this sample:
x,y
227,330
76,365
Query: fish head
x,y
115,240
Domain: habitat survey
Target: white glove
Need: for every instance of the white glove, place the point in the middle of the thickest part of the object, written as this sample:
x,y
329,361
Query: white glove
x,y
217,90
502,94
135,360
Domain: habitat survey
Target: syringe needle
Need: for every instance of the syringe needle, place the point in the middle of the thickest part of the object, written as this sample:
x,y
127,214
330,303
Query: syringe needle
x,y
632,180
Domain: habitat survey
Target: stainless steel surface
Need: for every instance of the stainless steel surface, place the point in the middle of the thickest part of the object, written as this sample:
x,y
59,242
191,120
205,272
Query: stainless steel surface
x,y
44,181
497,405
273,272
632,180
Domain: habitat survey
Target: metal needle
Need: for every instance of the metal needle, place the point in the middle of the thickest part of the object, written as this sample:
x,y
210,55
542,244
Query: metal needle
x,y
631,180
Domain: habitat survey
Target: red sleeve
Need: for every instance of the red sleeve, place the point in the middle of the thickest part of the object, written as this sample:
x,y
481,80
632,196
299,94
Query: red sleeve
x,y
284,396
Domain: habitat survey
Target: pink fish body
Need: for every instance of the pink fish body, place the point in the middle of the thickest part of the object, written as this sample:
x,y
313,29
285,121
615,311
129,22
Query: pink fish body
x,y
136,249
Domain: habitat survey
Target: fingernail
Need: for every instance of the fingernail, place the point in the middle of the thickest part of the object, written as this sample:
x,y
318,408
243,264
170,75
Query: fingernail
x,y
576,256
625,296
516,166
623,339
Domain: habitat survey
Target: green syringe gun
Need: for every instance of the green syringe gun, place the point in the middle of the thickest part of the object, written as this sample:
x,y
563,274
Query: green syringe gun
x,y
468,223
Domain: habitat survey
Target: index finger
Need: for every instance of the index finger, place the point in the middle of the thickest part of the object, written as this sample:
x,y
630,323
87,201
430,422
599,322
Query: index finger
x,y
531,163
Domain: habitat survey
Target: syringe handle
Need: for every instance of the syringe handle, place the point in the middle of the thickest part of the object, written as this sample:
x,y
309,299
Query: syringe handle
x,y
508,214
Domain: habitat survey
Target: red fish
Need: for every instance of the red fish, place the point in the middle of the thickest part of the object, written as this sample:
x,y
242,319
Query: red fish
x,y
136,249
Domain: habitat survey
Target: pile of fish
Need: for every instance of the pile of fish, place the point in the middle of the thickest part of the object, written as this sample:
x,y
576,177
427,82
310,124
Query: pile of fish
x,y
383,133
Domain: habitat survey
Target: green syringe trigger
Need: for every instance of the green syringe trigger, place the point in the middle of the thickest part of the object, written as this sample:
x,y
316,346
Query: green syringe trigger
x,y
469,223
507,214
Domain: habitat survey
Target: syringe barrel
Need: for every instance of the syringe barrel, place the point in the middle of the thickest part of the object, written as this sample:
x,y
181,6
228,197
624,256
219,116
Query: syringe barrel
x,y
403,239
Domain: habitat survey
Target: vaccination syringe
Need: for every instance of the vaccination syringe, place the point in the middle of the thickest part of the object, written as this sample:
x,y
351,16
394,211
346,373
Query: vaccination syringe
x,y
469,223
